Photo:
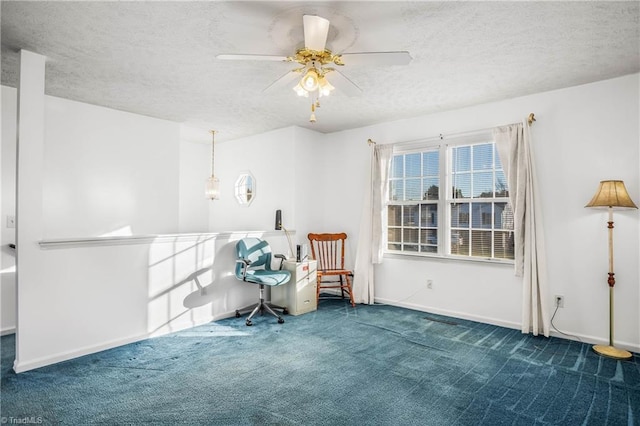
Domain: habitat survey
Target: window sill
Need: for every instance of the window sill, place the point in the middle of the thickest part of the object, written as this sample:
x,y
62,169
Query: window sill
x,y
418,256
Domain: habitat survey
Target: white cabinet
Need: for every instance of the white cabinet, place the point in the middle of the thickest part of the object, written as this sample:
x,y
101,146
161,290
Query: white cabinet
x,y
299,294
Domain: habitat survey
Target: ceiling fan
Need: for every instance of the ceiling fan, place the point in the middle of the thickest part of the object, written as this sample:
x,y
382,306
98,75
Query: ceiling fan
x,y
317,64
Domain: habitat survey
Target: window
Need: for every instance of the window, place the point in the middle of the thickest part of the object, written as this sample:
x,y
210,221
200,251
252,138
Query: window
x,y
472,218
245,188
413,208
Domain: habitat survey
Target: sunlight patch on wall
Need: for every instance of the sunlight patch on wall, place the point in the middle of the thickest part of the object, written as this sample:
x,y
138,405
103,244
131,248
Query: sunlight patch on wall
x,y
173,267
125,231
9,270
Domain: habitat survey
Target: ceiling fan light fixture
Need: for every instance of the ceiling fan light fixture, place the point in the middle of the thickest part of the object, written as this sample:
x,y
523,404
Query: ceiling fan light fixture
x,y
300,91
315,60
325,88
310,80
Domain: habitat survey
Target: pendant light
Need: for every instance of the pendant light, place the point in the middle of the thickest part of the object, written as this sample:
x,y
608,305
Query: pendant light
x,y
212,190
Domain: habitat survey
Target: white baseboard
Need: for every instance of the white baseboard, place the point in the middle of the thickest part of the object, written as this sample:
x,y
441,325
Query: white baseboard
x,y
6,331
595,340
454,314
21,367
508,324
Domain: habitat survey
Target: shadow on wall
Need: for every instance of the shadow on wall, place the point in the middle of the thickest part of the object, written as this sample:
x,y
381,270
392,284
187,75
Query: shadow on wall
x,y
218,276
193,282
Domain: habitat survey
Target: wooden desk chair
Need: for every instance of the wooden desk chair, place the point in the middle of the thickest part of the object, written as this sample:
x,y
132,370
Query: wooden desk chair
x,y
328,250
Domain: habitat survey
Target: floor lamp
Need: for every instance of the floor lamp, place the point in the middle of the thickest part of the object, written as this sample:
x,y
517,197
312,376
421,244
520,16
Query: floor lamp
x,y
610,194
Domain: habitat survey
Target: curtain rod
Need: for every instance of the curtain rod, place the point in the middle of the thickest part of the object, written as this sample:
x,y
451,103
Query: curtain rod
x,y
530,119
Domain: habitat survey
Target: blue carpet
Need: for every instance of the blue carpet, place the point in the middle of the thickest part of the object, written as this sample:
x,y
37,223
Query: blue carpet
x,y
369,365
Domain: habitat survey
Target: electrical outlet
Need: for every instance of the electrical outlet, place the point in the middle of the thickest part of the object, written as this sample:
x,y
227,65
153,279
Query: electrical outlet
x,y
429,284
11,221
559,301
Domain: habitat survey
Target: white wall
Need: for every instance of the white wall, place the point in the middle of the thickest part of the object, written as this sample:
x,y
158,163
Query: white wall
x,y
289,166
30,276
311,193
99,296
282,163
270,159
108,171
195,168
8,208
583,135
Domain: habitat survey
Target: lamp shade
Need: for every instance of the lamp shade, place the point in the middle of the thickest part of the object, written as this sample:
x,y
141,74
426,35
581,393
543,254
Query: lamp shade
x,y
612,193
212,189
310,80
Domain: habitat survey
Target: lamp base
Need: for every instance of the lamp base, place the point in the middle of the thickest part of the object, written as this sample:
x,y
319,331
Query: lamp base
x,y
612,352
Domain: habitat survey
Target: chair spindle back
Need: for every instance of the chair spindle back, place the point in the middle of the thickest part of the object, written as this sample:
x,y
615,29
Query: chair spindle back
x,y
328,250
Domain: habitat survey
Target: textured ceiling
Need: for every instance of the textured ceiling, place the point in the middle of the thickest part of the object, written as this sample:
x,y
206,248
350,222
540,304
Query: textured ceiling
x,y
159,58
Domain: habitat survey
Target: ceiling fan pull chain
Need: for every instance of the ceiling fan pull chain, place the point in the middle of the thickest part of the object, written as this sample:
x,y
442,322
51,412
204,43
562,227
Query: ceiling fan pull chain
x,y
312,119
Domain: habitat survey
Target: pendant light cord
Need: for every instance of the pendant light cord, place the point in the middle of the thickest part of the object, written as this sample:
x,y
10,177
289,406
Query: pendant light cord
x,y
213,148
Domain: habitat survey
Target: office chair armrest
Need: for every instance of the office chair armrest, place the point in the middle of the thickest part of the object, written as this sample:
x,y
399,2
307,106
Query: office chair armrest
x,y
282,258
245,264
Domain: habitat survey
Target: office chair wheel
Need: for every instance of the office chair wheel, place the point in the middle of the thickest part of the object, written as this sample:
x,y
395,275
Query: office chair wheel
x,y
280,321
237,314
248,322
285,311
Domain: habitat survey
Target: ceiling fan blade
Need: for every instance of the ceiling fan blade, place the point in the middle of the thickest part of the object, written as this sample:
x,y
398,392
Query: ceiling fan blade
x,y
251,57
284,81
343,84
315,32
376,58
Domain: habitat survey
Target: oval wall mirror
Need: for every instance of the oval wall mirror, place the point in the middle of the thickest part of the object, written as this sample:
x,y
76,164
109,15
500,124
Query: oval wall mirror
x,y
245,189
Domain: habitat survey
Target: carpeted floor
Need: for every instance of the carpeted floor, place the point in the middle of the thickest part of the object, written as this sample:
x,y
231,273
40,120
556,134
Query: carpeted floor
x,y
369,365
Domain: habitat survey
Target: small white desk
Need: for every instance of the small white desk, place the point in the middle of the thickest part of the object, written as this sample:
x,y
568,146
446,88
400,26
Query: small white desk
x,y
299,294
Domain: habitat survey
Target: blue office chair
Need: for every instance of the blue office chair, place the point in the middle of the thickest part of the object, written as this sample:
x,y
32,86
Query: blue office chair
x,y
253,265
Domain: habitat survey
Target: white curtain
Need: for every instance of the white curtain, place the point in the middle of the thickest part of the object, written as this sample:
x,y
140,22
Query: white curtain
x,y
513,143
372,224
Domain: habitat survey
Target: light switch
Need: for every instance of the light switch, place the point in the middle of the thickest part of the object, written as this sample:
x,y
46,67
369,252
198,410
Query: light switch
x,y
11,221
